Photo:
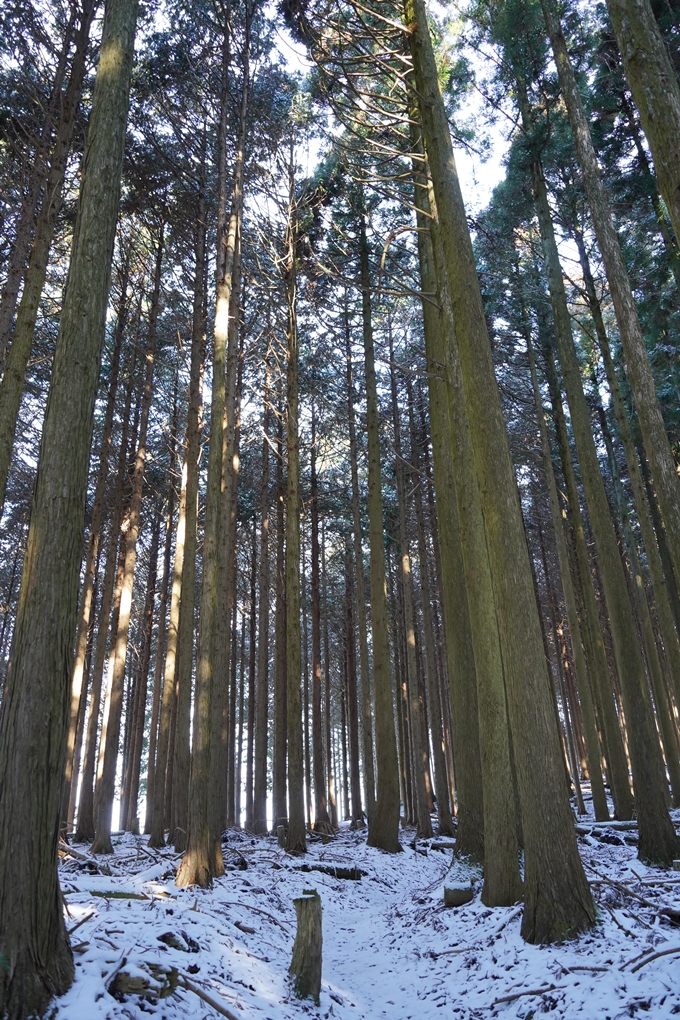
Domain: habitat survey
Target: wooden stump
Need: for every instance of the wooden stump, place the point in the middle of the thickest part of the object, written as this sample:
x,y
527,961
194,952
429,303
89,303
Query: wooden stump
x,y
458,896
306,963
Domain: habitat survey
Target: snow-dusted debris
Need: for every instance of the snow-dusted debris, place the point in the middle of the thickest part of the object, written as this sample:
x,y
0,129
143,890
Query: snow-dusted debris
x,y
390,947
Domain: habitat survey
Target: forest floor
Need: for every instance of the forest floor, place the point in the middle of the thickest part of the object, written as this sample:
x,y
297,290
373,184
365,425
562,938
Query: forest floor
x,y
390,947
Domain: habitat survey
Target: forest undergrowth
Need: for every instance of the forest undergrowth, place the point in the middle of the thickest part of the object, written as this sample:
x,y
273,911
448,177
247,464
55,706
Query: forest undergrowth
x,y
390,946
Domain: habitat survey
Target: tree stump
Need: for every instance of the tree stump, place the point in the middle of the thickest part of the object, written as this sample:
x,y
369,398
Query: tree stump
x,y
306,963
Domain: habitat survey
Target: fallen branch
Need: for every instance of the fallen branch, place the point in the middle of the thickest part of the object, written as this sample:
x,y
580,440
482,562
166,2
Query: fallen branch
x,y
354,874
187,983
531,991
77,925
655,956
623,888
257,910
65,850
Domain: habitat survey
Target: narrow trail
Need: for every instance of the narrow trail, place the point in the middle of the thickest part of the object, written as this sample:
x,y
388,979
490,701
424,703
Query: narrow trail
x,y
390,948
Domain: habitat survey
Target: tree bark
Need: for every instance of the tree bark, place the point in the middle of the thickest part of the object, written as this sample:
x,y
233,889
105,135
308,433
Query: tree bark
x,y
33,937
557,899
85,829
197,865
457,625
280,681
600,806
356,813
440,776
87,588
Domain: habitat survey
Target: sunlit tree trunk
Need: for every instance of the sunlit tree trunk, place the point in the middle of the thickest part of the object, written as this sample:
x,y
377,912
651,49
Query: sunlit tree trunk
x,y
107,777
91,556
85,827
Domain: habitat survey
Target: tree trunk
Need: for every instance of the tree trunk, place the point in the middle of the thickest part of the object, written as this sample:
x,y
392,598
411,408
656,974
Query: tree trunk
x,y
591,630
52,182
252,662
327,691
181,642
580,669
657,445
364,671
356,813
197,865
654,84
85,828
557,899
657,837
104,807
280,679
384,829
440,777
262,688
33,937
91,557
295,838
138,721
321,820
457,624
420,750
158,687
642,508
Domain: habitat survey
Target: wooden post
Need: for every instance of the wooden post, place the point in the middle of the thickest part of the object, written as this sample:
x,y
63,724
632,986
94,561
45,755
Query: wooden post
x,y
306,963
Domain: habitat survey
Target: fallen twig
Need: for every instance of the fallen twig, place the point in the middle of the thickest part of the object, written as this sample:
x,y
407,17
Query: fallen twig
x,y
531,991
187,983
257,910
67,851
623,888
655,956
81,921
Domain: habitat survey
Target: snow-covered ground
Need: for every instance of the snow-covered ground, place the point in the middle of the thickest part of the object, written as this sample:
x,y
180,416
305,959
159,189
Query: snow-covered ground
x,y
390,947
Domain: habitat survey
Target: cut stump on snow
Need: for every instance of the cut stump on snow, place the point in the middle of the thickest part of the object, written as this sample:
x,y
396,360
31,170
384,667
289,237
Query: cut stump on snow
x,y
305,966
458,896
